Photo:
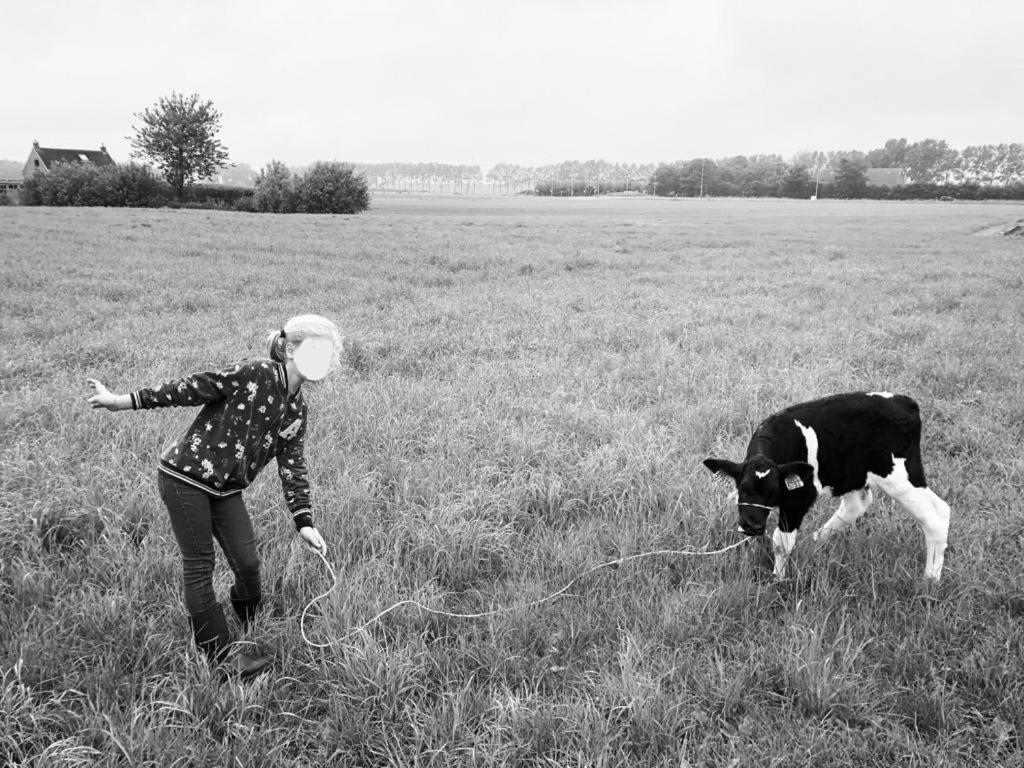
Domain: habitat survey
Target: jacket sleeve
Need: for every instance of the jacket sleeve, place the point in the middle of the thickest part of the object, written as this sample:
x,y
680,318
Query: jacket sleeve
x,y
195,389
291,466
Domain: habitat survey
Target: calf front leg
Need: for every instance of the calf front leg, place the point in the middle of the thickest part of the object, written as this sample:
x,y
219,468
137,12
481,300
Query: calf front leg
x,y
782,545
851,506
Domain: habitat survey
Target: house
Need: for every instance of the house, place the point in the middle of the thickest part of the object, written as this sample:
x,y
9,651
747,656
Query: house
x,y
42,159
9,189
886,177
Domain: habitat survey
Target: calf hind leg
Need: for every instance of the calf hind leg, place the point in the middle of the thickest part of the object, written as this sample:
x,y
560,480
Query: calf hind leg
x,y
931,512
936,535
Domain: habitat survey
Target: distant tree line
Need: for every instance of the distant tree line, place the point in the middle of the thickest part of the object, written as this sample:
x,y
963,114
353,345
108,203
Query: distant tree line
x,y
923,169
930,168
420,177
571,178
933,161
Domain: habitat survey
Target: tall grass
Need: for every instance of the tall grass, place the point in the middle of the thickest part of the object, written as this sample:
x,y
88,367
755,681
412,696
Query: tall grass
x,y
530,387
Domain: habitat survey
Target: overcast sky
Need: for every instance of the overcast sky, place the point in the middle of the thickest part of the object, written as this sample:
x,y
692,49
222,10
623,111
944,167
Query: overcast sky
x,y
521,81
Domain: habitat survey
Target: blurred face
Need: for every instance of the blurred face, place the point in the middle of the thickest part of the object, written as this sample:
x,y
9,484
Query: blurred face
x,y
313,358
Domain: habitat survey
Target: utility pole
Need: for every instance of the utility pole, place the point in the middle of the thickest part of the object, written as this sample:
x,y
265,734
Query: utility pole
x,y
472,164
702,163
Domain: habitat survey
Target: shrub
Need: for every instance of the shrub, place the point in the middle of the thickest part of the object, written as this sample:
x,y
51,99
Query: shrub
x,y
85,184
219,193
30,192
66,184
136,186
245,204
332,188
275,189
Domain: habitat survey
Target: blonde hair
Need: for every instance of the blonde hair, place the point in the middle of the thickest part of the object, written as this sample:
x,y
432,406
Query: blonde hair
x,y
297,330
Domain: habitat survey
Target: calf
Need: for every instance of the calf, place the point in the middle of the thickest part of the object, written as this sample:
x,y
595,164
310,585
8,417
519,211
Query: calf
x,y
844,445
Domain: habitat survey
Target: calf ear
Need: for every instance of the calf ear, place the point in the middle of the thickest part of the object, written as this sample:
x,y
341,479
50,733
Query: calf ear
x,y
724,467
796,475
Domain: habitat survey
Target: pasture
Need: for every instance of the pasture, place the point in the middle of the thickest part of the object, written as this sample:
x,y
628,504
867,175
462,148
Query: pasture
x,y
529,387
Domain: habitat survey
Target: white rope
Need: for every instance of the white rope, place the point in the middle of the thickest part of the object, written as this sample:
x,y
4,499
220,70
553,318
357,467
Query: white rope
x,y
494,612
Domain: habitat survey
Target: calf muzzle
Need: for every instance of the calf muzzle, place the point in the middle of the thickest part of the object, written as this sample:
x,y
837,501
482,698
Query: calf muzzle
x,y
753,517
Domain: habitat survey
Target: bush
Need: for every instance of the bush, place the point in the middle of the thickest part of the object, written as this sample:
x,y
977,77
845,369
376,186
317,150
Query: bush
x,y
331,188
245,205
65,184
275,189
84,184
136,186
224,194
30,192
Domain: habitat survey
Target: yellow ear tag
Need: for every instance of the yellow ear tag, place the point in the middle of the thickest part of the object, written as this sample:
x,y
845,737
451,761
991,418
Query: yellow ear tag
x,y
793,482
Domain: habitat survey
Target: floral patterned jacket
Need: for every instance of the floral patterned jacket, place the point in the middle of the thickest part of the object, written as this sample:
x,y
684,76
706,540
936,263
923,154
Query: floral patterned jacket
x,y
247,419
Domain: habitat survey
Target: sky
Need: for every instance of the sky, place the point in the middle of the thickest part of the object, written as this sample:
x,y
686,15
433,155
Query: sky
x,y
530,82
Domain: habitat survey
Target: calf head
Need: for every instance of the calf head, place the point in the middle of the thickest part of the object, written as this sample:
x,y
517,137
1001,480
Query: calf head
x,y
762,485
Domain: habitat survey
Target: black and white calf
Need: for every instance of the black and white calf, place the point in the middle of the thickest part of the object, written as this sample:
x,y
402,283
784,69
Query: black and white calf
x,y
843,445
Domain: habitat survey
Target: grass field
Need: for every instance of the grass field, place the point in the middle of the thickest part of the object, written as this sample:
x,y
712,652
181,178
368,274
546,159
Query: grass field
x,y
530,386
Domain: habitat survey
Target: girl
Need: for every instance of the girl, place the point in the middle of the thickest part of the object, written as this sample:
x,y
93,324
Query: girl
x,y
252,412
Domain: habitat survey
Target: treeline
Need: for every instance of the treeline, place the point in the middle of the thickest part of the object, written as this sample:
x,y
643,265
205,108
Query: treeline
x,y
322,188
933,161
928,168
573,177
923,169
420,177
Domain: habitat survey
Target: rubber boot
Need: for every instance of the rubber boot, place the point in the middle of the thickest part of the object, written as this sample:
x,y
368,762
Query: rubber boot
x,y
245,609
210,630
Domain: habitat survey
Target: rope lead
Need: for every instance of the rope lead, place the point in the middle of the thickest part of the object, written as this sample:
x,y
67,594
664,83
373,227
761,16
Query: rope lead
x,y
494,612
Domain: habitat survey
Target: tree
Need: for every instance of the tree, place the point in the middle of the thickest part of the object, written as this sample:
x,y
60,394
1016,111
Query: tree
x,y
930,161
667,179
892,155
1011,163
851,181
796,182
179,135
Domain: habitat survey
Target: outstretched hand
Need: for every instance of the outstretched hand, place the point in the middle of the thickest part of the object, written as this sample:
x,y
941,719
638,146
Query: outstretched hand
x,y
103,397
313,539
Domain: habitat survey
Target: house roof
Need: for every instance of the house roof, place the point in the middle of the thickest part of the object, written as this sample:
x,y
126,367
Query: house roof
x,y
51,155
876,177
885,177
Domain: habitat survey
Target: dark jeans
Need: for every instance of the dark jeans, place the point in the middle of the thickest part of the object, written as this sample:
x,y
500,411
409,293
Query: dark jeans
x,y
197,518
